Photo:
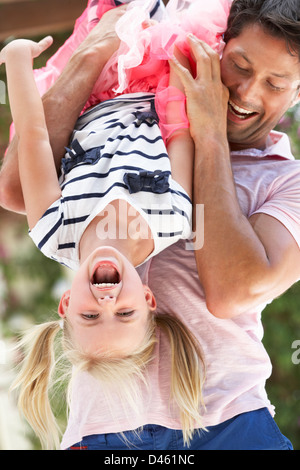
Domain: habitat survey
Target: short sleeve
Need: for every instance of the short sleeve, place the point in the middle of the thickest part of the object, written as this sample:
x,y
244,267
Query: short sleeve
x,y
283,201
45,233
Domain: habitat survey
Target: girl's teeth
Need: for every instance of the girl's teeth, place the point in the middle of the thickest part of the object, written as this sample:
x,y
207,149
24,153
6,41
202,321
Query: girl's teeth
x,y
105,284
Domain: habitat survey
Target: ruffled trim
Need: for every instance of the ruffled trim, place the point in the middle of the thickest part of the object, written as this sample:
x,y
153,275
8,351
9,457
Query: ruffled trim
x,y
141,63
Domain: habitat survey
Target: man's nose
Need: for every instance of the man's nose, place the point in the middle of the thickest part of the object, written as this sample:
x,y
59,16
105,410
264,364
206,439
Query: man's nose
x,y
249,90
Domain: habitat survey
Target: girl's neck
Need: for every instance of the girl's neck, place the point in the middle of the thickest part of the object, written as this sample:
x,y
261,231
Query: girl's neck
x,y
119,226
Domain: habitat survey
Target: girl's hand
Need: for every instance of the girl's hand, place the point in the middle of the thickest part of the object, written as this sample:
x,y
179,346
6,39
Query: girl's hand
x,y
24,45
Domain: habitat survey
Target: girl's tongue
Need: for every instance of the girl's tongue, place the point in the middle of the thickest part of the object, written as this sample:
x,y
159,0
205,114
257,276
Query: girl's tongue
x,y
106,274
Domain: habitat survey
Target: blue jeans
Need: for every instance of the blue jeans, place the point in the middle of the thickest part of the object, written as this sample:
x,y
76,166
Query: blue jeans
x,y
255,430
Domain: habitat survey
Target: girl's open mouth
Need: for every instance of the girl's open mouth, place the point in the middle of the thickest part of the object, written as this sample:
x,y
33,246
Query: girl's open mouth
x,y
105,276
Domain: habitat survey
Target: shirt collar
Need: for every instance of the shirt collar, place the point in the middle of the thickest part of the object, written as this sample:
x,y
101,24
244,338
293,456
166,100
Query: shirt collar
x,y
277,144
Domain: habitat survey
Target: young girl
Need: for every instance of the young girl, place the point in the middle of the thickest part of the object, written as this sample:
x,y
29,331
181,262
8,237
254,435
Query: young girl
x,y
119,201
109,322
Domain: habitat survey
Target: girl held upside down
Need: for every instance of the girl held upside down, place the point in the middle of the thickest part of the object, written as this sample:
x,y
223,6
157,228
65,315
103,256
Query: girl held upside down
x,y
121,198
118,174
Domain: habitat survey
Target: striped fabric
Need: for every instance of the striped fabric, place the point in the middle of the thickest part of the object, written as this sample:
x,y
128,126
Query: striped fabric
x,y
155,7
96,9
117,137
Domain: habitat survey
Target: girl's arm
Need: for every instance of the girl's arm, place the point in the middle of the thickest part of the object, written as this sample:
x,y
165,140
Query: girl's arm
x,y
38,175
180,145
64,101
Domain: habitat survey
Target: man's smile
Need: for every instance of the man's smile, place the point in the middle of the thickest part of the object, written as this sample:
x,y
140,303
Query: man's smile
x,y
237,113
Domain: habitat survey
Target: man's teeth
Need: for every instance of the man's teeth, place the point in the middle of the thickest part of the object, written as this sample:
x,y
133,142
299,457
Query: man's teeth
x,y
240,111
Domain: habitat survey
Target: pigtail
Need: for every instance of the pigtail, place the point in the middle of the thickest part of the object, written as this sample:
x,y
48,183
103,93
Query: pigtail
x,y
34,381
187,373
35,378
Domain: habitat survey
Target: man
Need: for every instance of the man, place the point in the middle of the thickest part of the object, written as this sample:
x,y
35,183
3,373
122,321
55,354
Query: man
x,y
248,182
251,203
241,265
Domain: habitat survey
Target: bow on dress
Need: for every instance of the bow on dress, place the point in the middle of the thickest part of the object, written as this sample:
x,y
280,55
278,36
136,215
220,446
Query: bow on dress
x,y
77,155
153,181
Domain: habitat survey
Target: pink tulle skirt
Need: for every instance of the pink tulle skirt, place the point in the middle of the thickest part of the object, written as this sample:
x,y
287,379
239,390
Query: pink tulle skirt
x,y
141,63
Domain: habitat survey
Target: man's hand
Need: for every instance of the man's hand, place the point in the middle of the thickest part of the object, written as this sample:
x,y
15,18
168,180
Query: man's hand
x,y
103,37
207,97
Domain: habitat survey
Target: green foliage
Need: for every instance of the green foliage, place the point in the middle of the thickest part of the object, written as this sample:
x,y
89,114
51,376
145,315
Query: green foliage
x,y
281,320
282,328
30,283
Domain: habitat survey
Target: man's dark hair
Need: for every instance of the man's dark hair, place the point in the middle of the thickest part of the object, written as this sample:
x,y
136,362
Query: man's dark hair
x,y
279,18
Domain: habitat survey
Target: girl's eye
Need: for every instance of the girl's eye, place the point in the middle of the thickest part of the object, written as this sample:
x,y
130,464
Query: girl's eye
x,y
125,314
90,316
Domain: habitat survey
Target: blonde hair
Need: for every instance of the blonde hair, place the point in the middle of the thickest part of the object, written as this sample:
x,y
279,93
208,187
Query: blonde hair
x,y
36,376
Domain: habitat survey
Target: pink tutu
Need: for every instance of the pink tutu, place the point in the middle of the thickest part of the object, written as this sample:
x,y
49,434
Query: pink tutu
x,y
141,63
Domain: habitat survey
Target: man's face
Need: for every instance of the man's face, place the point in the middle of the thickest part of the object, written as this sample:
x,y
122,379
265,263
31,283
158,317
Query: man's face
x,y
263,80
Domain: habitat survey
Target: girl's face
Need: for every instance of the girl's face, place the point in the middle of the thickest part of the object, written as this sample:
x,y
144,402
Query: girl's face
x,y
107,306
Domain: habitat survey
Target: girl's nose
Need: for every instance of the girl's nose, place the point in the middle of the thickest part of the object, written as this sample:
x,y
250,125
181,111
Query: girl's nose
x,y
106,298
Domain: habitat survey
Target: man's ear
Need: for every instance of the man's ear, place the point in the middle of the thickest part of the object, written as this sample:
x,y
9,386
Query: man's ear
x,y
149,297
63,304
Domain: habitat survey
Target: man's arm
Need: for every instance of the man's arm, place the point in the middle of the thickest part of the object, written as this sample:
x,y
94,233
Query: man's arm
x,y
243,262
64,102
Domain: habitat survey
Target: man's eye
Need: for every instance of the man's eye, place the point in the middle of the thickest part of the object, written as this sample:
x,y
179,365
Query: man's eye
x,y
274,87
240,69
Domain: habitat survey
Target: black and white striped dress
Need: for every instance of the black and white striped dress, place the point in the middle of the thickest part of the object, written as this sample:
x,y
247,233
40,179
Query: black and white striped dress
x,y
116,152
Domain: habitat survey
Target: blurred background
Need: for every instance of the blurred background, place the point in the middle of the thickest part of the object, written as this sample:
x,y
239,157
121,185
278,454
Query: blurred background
x,y
31,284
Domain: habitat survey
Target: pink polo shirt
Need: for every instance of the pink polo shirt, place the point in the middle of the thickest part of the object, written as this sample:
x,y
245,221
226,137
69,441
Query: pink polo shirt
x,y
236,361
